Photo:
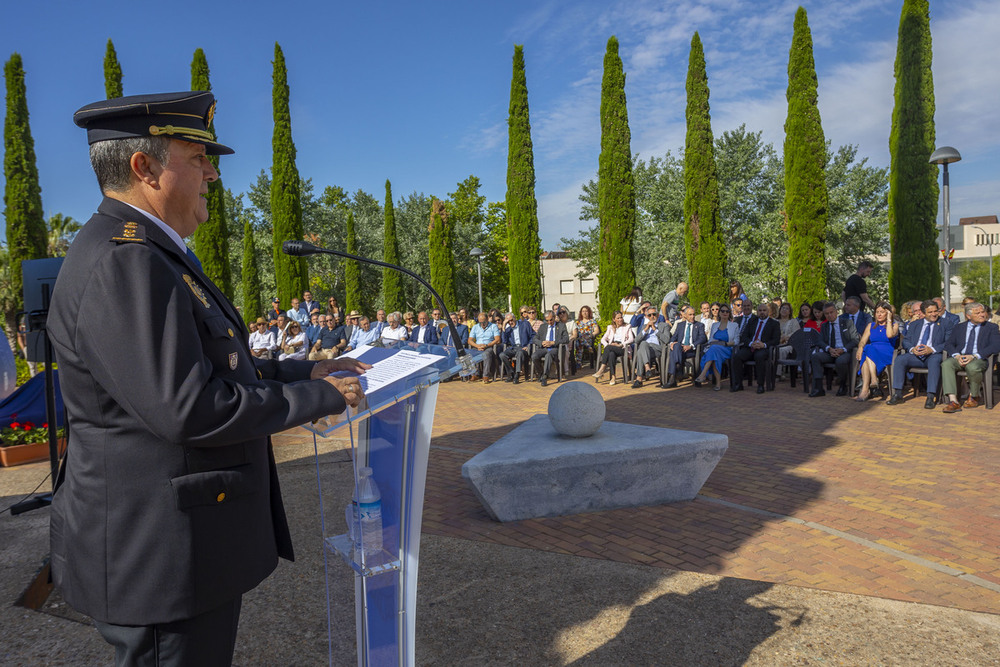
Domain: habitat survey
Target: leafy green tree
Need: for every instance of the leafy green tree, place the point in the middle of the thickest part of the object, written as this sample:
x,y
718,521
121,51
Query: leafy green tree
x,y
290,272
467,217
439,241
62,230
806,198
616,189
523,245
26,233
913,186
352,272
252,306
705,249
975,277
113,73
393,293
211,239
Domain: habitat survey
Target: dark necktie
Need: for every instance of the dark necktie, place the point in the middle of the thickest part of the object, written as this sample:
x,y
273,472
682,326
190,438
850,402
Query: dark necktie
x,y
926,333
971,339
194,258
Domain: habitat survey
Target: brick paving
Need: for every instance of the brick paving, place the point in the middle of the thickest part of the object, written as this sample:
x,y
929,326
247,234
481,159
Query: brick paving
x,y
895,502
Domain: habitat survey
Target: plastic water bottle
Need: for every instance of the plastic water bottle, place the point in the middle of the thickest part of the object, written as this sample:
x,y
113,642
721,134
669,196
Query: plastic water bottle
x,y
369,504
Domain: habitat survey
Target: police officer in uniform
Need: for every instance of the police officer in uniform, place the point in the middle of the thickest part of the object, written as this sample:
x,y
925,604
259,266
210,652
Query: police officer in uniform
x,y
168,507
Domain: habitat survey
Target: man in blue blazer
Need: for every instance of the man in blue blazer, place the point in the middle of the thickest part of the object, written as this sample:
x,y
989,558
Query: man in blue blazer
x,y
424,332
968,349
688,335
838,341
462,329
859,318
923,344
550,336
516,340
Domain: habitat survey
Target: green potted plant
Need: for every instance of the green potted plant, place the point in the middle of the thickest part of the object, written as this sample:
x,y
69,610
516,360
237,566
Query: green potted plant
x,y
23,442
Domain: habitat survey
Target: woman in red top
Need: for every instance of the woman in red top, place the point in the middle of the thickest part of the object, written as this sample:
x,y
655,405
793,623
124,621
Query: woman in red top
x,y
816,321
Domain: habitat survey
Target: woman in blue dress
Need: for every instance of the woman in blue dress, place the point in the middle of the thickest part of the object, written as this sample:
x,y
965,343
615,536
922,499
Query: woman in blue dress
x,y
875,349
721,340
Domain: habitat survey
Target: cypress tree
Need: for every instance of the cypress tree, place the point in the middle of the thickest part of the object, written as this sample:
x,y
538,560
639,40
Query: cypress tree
x,y
914,272
27,237
352,271
615,189
113,73
211,239
393,292
523,245
703,244
252,307
440,254
290,274
805,178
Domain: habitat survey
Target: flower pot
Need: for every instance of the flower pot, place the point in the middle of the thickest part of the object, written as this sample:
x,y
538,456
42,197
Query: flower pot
x,y
13,455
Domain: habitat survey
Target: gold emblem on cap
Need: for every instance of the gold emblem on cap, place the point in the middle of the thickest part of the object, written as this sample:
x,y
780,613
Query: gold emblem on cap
x,y
196,289
210,115
157,130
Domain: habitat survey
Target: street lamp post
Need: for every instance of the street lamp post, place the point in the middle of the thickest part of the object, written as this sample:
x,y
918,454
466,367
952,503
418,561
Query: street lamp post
x,y
945,156
989,244
478,254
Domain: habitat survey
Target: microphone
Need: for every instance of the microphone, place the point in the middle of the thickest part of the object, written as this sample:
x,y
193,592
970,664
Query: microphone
x,y
304,248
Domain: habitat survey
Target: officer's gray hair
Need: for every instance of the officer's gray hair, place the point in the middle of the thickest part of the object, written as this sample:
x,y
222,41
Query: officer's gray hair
x,y
111,159
969,307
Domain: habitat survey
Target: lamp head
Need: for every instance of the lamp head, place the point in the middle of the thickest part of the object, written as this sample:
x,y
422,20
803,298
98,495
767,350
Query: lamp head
x,y
945,155
476,252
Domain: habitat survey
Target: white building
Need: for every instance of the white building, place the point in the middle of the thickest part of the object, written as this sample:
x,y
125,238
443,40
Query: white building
x,y
560,284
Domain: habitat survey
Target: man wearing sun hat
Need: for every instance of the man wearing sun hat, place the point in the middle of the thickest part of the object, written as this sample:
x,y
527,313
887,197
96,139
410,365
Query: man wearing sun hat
x,y
167,507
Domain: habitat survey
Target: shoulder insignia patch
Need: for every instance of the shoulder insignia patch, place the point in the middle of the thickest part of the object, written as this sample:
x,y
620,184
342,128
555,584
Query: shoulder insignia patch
x,y
197,290
130,232
233,360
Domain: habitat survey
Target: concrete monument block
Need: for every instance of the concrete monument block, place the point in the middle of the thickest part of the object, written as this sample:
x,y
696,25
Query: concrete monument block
x,y
533,471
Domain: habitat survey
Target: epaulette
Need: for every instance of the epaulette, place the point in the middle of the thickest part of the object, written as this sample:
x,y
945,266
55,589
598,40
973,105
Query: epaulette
x,y
130,232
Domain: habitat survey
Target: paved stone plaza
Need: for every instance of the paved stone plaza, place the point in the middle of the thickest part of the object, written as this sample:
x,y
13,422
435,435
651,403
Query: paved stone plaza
x,y
830,532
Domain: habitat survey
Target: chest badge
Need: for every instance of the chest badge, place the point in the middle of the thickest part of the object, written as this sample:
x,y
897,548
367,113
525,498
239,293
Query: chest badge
x,y
197,290
234,359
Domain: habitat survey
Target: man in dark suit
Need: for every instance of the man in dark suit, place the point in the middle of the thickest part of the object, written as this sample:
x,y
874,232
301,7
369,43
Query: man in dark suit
x,y
761,334
923,344
968,348
742,314
858,317
688,335
516,340
950,318
550,336
167,507
424,332
838,341
460,327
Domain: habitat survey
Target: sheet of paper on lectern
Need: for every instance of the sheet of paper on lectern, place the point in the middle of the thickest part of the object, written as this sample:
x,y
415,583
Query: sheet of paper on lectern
x,y
388,365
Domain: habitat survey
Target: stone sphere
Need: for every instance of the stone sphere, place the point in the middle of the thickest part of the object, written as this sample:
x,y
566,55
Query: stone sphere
x,y
576,409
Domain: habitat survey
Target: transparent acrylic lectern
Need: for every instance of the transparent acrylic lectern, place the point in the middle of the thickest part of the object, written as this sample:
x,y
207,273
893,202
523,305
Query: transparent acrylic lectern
x,y
390,432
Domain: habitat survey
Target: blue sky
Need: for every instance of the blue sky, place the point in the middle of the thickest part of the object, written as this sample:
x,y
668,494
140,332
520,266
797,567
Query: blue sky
x,y
418,92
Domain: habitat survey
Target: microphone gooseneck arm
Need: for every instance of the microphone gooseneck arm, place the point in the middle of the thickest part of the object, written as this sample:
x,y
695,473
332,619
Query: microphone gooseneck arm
x,y
303,248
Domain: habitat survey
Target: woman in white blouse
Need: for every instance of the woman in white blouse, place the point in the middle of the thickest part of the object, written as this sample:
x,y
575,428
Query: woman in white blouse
x,y
395,331
618,336
294,344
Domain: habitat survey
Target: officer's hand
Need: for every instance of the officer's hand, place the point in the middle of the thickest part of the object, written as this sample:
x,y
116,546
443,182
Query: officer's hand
x,y
350,387
327,366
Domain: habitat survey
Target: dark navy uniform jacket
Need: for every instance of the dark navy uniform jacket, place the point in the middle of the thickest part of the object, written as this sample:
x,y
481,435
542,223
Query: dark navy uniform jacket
x,y
169,505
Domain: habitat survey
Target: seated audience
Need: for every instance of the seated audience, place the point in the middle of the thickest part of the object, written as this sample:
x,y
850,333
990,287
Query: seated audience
x,y
705,317
805,313
875,350
551,334
639,317
262,343
380,323
950,318
616,339
968,348
332,308
853,312
761,335
312,331
460,329
569,366
742,314
722,338
408,321
364,334
485,337
330,342
298,313
687,337
815,321
838,339
533,320
789,325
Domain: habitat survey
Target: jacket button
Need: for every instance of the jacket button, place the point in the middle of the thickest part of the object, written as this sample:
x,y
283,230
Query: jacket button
x,y
219,498
230,332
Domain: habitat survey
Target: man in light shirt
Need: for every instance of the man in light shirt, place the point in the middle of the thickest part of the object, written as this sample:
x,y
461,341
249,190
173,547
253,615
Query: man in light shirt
x,y
262,344
485,337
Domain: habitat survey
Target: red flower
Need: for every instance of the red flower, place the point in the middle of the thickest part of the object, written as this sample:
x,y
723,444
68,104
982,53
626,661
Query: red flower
x,y
45,425
15,425
27,427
